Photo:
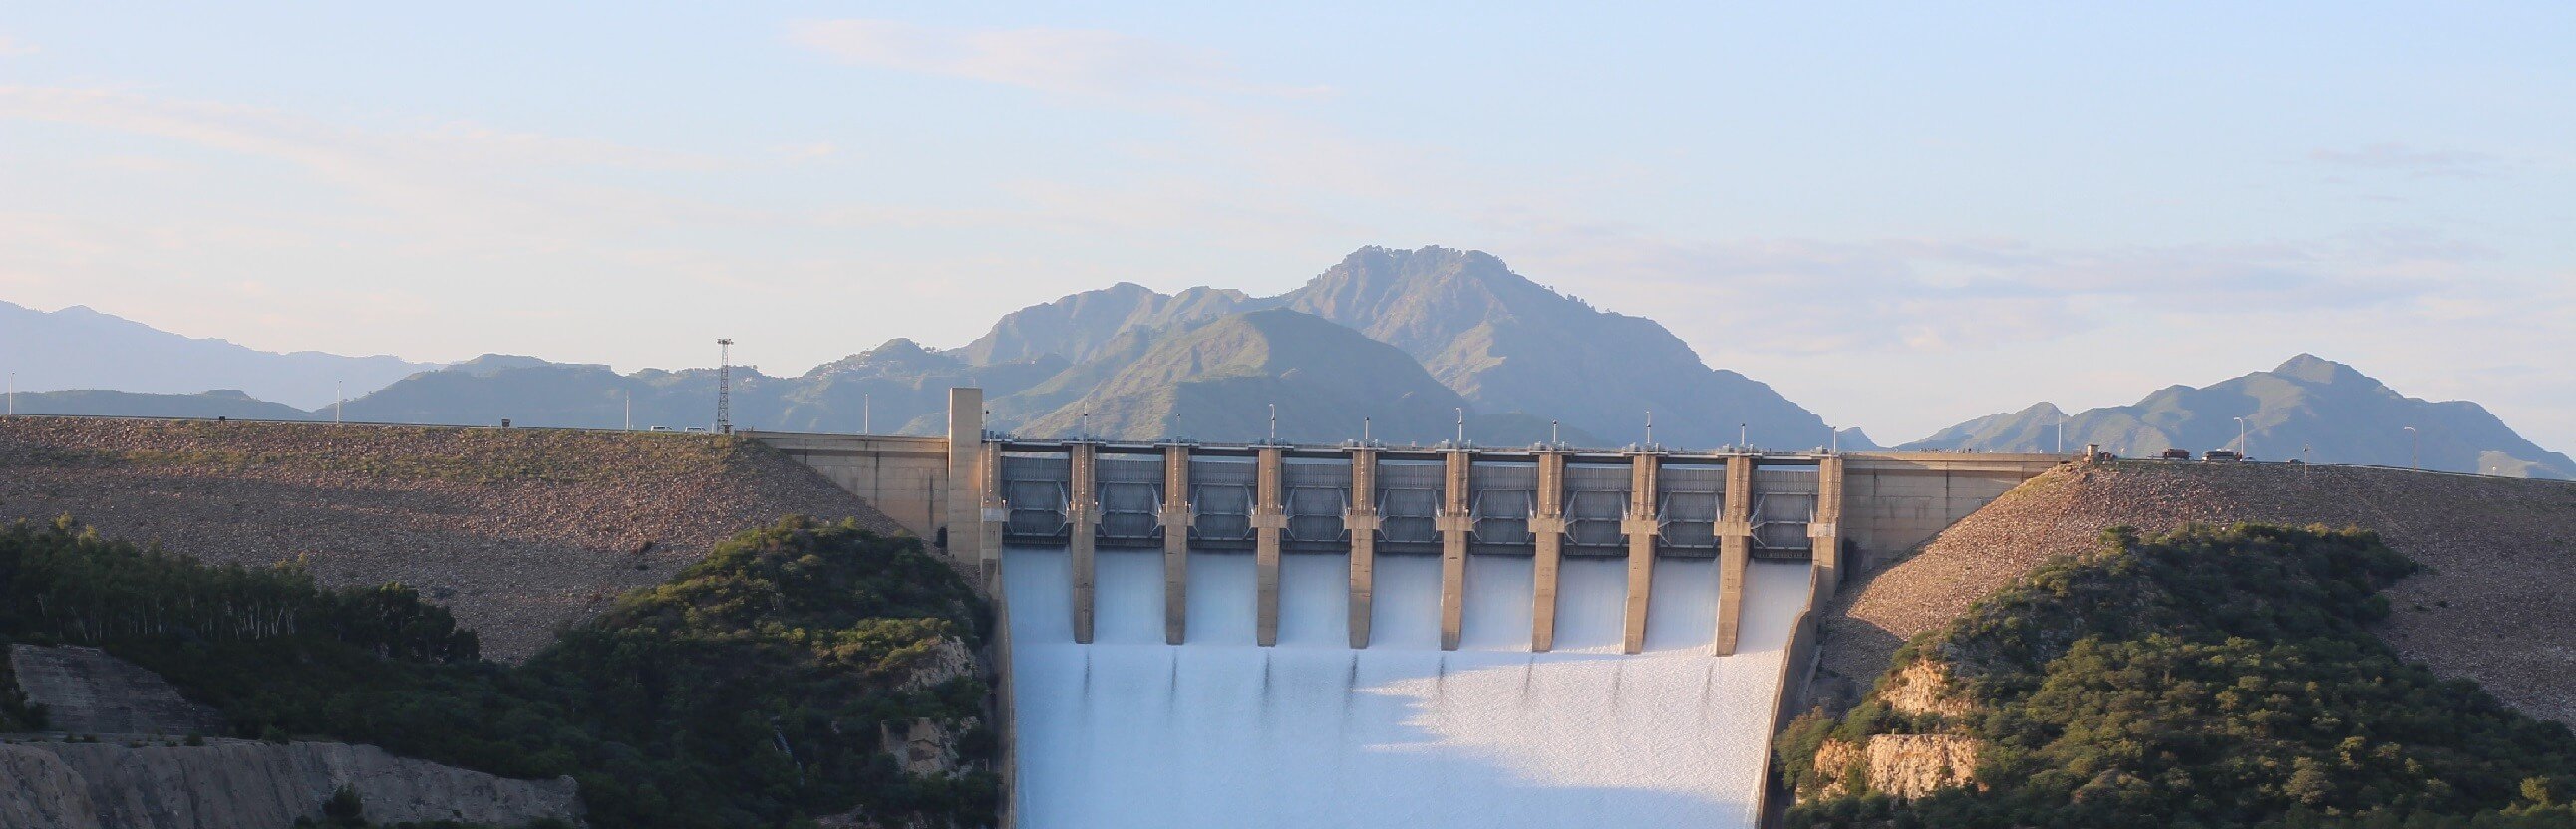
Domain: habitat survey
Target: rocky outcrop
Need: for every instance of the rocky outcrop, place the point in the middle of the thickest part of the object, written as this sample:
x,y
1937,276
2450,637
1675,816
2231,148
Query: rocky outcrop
x,y
925,748
1923,688
86,691
232,784
1902,766
947,660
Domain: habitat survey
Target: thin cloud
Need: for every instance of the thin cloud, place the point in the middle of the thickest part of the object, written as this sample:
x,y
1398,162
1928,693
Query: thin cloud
x,y
13,48
1942,294
2400,158
1072,61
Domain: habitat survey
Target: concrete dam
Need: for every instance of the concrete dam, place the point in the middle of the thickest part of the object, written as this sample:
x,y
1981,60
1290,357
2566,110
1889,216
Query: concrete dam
x,y
1368,635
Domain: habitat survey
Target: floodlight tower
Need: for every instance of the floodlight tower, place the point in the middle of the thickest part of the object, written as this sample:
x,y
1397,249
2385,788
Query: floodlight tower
x,y
724,386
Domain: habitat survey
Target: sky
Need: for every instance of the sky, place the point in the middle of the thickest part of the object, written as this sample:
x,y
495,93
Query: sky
x,y
1898,215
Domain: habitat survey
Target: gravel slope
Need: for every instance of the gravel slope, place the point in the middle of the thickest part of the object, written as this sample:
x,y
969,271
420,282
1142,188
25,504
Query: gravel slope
x,y
2495,606
519,531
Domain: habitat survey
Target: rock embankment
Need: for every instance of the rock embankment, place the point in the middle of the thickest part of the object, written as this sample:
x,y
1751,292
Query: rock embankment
x,y
228,784
519,531
2493,605
86,691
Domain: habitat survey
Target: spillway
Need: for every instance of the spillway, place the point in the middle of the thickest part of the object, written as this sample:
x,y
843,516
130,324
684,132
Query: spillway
x,y
1131,732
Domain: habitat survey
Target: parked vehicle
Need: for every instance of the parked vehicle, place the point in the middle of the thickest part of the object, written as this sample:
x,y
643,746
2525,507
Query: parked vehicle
x,y
2175,455
2221,455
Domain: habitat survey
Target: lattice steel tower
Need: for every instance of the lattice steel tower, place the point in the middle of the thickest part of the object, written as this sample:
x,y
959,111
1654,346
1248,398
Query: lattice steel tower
x,y
724,386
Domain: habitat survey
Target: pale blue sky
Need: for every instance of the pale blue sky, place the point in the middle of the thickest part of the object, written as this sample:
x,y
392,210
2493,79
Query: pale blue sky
x,y
1901,216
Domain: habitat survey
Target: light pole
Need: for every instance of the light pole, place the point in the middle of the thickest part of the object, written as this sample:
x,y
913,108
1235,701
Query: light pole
x,y
2414,449
2240,440
13,394
1462,427
868,414
339,389
2061,434
1740,440
1274,423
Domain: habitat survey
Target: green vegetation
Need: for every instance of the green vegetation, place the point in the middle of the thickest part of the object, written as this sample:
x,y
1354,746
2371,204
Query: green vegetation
x,y
748,691
2210,677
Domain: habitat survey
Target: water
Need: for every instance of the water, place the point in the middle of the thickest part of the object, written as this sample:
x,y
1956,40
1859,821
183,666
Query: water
x,y
1130,732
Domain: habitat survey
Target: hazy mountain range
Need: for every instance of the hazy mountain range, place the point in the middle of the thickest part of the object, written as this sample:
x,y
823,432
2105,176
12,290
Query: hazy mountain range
x,y
2306,409
1407,340
77,348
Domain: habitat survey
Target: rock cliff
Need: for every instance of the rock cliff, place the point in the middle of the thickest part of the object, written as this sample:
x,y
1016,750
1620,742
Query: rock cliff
x,y
238,784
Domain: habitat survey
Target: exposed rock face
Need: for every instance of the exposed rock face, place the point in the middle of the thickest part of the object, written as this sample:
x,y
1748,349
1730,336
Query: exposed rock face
x,y
86,691
2492,605
1902,766
518,531
924,748
1907,766
1924,688
946,661
228,784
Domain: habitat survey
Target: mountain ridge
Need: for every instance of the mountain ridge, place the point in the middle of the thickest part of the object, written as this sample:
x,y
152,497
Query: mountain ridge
x,y
86,349
2307,408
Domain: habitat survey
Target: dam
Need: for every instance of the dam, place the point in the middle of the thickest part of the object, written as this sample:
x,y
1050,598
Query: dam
x,y
1365,635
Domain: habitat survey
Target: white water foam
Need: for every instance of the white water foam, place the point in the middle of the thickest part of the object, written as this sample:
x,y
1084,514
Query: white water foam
x,y
1130,732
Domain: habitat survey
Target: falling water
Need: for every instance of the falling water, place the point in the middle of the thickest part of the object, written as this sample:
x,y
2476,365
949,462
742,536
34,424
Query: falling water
x,y
1131,732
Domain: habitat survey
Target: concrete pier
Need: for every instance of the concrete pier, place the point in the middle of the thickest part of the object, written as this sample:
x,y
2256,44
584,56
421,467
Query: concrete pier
x,y
1824,531
1082,517
1362,522
1734,553
1640,527
1547,531
1176,519
1456,522
988,486
961,512
1268,519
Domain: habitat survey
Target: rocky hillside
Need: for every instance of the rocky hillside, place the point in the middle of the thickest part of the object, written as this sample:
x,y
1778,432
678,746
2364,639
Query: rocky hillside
x,y
2205,677
2307,408
518,531
123,750
2491,605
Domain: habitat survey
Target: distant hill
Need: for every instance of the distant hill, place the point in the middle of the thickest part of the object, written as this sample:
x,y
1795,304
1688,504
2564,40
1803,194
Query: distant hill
x,y
2308,408
1500,341
1220,379
225,403
1078,326
85,349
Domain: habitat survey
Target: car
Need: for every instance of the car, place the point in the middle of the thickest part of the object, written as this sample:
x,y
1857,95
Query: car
x,y
2175,455
2221,455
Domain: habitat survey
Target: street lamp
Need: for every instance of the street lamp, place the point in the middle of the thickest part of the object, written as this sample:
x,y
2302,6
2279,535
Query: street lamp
x,y
2240,440
2415,448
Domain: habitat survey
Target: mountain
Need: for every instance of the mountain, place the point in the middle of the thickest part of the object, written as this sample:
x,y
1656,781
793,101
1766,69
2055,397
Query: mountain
x,y
1503,343
225,403
1077,326
84,349
1220,379
2307,408
1508,344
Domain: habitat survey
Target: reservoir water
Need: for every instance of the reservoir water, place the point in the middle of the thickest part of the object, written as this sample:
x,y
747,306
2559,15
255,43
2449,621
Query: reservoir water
x,y
1130,732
